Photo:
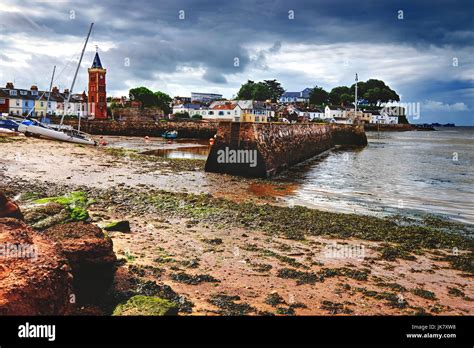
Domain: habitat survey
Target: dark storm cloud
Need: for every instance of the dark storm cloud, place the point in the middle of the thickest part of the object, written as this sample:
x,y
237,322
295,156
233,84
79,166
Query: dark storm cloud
x,y
152,37
212,33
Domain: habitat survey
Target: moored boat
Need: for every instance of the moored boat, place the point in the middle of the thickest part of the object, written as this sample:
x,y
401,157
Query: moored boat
x,y
170,135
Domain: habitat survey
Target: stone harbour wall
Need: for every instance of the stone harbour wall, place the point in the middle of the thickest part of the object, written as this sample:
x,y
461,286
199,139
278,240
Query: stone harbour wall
x,y
186,129
275,146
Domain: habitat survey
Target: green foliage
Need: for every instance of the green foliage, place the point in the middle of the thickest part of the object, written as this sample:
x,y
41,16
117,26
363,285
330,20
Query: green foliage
x,y
258,91
149,98
144,95
318,96
276,89
336,92
146,305
197,117
163,101
76,202
346,99
375,92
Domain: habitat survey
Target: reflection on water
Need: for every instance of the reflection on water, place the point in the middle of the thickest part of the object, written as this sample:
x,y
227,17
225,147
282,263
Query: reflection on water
x,y
402,173
192,152
176,148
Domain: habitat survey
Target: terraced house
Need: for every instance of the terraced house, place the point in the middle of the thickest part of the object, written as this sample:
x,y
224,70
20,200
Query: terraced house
x,y
21,102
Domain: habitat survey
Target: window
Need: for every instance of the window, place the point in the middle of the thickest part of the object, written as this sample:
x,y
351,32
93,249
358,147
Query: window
x,y
13,92
42,104
92,99
101,77
49,105
23,93
211,112
17,103
2,100
221,113
34,92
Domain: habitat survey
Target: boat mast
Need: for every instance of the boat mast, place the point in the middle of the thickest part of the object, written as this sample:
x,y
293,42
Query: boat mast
x,y
50,87
355,100
75,76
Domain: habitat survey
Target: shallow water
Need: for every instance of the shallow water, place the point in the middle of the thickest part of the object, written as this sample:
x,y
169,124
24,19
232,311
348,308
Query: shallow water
x,y
397,173
176,148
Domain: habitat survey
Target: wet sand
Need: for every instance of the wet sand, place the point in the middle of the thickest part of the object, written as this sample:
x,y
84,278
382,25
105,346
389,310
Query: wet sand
x,y
245,261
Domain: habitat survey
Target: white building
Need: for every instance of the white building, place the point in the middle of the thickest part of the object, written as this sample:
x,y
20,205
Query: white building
x,y
205,97
333,112
309,113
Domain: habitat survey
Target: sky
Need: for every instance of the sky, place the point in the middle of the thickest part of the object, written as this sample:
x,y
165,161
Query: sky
x,y
421,49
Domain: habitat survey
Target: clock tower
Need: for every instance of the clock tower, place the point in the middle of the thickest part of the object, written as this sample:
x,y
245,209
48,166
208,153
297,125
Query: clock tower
x,y
97,95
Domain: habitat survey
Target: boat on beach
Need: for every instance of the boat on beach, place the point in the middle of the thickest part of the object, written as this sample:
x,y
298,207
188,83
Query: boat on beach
x,y
8,126
34,127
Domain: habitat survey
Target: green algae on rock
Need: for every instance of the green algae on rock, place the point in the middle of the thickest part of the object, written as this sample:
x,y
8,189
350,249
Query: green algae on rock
x,y
75,202
146,306
119,226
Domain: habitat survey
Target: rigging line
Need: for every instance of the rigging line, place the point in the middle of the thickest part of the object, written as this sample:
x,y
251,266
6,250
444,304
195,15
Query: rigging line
x,y
74,58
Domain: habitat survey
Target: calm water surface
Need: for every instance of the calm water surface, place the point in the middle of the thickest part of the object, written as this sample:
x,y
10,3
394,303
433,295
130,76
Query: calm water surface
x,y
398,172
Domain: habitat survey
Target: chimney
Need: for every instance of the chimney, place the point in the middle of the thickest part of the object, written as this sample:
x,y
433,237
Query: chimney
x,y
55,89
9,85
66,90
34,88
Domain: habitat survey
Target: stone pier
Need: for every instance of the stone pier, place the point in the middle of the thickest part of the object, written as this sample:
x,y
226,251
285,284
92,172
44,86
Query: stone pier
x,y
264,149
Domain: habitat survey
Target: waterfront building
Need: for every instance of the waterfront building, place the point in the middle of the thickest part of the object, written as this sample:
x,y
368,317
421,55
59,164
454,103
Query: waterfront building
x,y
39,99
4,102
188,107
333,111
181,100
296,97
15,103
204,97
307,113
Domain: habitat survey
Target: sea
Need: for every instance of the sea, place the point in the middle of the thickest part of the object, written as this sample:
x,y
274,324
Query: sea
x,y
405,173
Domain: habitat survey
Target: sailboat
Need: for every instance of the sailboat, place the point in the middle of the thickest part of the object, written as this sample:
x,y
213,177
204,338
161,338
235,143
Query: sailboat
x,y
30,126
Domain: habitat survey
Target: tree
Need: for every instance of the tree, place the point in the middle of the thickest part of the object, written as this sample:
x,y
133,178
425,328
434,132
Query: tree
x,y
261,92
256,91
275,88
346,99
144,95
163,101
246,90
336,92
318,96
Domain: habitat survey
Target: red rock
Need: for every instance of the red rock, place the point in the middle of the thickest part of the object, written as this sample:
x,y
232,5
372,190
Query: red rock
x,y
38,283
8,208
91,256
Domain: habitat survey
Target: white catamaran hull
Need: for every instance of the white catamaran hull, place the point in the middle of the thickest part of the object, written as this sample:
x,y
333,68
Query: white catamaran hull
x,y
52,134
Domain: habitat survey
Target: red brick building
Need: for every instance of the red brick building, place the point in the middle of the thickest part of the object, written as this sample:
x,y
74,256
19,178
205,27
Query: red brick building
x,y
4,102
97,89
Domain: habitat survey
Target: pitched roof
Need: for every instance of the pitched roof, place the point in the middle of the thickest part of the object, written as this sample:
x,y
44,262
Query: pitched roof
x,y
227,106
96,64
